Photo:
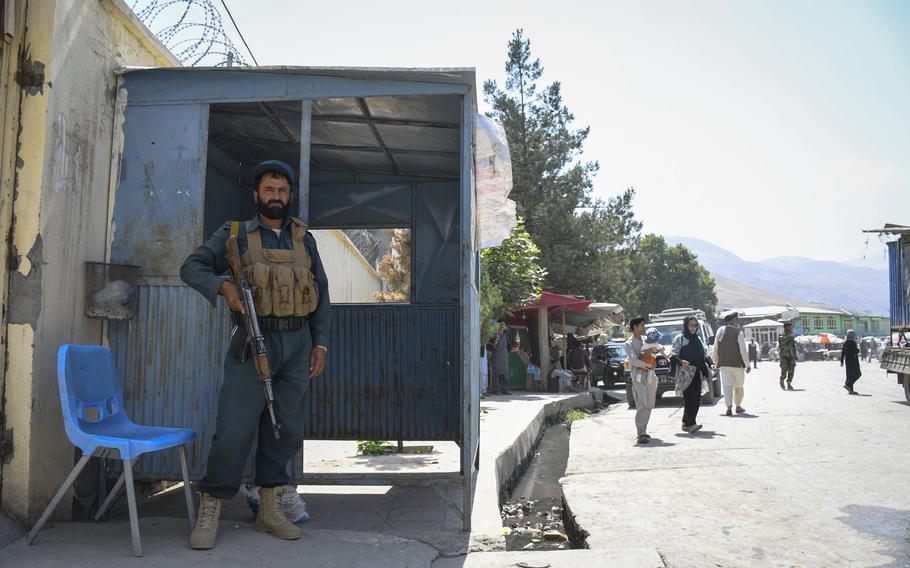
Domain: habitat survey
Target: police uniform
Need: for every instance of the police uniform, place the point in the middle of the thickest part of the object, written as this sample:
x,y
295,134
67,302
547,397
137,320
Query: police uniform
x,y
291,295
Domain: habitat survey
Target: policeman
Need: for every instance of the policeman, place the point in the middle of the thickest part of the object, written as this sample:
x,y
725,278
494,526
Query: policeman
x,y
291,296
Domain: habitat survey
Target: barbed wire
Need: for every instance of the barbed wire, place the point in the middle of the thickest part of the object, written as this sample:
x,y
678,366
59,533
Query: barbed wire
x,y
192,30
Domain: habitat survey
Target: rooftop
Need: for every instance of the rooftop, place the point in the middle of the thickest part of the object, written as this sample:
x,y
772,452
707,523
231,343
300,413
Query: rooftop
x,y
765,323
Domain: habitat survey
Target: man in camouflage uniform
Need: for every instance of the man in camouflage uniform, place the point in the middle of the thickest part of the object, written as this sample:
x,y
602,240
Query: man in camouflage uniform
x,y
787,347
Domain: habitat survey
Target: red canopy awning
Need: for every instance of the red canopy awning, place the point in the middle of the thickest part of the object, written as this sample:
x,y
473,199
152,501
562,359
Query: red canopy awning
x,y
550,301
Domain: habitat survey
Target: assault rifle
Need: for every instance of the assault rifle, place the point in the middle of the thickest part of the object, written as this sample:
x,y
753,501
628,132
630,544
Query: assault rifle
x,y
255,342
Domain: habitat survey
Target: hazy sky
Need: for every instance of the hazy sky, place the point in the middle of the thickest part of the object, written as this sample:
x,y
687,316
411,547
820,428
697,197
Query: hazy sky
x,y
771,128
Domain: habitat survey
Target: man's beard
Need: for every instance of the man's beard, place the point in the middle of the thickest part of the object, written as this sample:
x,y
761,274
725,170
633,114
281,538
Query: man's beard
x,y
274,210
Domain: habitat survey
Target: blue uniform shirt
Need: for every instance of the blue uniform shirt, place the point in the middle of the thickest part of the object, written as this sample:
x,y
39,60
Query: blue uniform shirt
x,y
207,268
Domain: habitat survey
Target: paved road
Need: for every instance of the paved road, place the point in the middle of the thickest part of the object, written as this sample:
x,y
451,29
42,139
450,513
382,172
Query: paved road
x,y
813,477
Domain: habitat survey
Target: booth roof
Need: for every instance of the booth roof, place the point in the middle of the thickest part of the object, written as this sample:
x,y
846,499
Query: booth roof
x,y
464,75
403,135
891,229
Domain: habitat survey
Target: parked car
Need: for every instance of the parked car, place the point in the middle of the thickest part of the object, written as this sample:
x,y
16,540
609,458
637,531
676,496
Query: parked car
x,y
607,364
669,323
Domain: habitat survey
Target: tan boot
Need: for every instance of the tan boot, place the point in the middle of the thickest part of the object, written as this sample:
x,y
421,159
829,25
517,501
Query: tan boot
x,y
206,529
270,518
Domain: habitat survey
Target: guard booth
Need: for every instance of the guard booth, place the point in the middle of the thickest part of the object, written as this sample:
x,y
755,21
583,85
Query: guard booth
x,y
384,159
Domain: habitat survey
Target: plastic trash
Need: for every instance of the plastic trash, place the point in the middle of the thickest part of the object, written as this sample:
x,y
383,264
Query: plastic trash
x,y
116,293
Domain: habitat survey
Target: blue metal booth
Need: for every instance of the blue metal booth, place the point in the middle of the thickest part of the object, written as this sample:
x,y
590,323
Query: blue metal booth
x,y
376,148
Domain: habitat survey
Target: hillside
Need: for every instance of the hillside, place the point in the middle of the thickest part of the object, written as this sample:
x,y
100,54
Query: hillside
x,y
797,280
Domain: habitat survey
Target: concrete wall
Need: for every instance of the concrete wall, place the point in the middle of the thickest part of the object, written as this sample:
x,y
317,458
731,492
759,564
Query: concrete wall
x,y
351,278
60,220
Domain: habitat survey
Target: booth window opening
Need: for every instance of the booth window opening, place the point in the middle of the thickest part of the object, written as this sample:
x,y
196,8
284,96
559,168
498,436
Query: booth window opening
x,y
370,266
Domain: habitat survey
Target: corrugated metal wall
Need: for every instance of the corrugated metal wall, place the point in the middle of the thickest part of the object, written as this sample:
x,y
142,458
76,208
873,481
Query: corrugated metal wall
x,y
393,372
899,272
170,359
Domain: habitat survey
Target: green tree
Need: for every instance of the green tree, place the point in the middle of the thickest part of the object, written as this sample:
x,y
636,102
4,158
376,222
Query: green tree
x,y
584,242
513,267
492,306
510,275
669,277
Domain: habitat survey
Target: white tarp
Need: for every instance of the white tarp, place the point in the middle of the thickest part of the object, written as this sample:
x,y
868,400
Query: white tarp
x,y
599,317
492,182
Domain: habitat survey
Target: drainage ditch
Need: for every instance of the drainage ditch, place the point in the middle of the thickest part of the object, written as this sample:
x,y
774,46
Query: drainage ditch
x,y
534,515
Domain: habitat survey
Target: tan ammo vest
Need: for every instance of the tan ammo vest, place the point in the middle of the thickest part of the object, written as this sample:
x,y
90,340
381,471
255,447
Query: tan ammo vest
x,y
281,280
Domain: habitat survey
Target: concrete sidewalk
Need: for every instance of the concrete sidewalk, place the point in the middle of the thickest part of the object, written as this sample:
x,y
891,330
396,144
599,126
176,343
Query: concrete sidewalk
x,y
350,526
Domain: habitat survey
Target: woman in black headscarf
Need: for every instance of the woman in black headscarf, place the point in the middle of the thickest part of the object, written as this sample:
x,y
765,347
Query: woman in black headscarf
x,y
849,354
689,349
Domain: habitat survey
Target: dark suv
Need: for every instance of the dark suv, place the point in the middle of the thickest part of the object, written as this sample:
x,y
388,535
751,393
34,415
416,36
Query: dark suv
x,y
607,364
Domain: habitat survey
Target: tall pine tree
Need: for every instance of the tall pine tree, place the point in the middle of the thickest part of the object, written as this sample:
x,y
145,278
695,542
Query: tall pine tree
x,y
584,242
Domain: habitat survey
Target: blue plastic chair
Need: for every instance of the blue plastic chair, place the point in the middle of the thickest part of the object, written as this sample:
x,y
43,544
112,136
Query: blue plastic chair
x,y
95,421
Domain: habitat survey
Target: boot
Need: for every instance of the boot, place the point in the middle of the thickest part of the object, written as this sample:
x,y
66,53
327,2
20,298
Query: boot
x,y
789,386
270,517
206,529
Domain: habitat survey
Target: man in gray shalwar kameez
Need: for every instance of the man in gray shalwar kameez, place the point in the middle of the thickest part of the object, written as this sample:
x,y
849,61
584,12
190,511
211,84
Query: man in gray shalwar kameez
x,y
500,345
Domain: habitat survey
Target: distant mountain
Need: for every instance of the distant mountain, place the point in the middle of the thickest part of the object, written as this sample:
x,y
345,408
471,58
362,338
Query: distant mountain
x,y
735,294
798,280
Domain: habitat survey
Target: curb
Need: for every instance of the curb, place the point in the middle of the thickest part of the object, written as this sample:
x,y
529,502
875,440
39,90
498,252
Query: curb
x,y
493,483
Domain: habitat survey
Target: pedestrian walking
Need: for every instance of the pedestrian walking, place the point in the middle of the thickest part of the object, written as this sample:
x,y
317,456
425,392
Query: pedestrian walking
x,y
786,345
863,348
849,356
753,353
499,346
689,350
644,381
295,327
732,359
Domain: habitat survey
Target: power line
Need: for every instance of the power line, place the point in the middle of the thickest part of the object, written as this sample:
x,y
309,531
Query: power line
x,y
243,39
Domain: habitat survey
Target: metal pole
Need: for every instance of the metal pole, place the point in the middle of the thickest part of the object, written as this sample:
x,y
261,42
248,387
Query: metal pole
x,y
306,124
543,344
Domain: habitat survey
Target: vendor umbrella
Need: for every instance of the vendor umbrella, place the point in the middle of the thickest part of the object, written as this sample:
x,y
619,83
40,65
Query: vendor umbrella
x,y
827,338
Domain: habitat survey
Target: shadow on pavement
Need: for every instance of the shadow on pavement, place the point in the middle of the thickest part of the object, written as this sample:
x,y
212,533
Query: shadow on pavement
x,y
707,434
654,442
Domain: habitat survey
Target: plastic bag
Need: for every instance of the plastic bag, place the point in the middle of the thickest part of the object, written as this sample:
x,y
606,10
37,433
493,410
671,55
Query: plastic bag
x,y
684,376
117,292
